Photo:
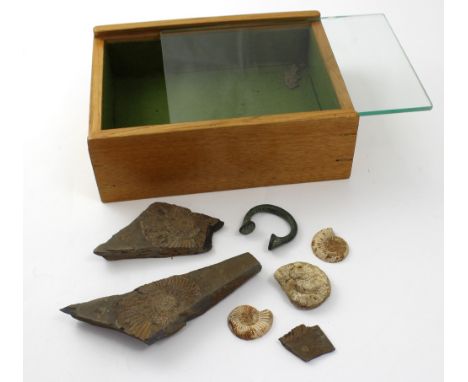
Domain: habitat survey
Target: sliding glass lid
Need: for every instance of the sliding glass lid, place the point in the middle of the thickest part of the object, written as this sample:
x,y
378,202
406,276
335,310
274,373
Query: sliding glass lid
x,y
265,68
378,74
244,71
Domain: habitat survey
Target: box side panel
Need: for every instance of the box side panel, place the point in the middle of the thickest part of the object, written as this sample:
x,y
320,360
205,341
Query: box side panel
x,y
97,75
174,163
155,26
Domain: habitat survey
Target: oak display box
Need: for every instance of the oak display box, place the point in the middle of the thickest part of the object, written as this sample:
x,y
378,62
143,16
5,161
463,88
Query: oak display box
x,y
209,104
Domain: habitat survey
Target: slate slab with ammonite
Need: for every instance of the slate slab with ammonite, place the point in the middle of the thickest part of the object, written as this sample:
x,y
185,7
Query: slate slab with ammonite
x,y
162,230
307,342
161,308
306,285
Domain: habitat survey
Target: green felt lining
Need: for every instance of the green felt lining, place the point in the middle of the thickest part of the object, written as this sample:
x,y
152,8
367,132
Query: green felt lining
x,y
134,90
237,93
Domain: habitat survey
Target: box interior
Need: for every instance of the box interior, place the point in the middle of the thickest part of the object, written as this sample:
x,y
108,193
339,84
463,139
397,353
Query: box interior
x,y
200,75
134,90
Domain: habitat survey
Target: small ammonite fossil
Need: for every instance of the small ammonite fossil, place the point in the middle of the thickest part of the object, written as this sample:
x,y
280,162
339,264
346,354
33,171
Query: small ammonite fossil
x,y
329,247
306,285
248,323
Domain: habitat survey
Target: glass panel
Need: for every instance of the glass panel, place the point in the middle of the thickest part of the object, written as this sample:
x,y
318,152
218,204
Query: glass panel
x,y
244,71
376,70
267,68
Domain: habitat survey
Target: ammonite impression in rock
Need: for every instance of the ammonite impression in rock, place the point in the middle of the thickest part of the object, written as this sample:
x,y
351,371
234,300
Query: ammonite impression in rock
x,y
161,308
162,230
306,285
248,323
329,247
148,311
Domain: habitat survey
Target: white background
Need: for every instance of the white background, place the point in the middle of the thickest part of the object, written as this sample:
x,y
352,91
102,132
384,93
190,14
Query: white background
x,y
385,314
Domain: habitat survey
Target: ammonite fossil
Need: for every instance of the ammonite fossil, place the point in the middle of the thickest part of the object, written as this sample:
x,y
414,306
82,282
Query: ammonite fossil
x,y
148,311
248,323
161,308
306,285
329,247
162,230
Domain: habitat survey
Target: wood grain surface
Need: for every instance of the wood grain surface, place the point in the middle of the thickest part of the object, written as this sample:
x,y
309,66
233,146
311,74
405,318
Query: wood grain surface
x,y
155,26
133,166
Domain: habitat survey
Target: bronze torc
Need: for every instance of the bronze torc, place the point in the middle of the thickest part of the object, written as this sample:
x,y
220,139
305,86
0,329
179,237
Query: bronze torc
x,y
248,226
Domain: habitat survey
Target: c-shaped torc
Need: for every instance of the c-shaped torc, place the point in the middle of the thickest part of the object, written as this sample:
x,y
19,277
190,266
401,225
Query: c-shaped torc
x,y
248,225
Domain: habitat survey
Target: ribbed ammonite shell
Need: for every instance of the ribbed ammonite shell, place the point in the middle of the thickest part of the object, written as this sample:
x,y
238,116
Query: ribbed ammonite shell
x,y
329,247
306,285
248,323
172,228
144,313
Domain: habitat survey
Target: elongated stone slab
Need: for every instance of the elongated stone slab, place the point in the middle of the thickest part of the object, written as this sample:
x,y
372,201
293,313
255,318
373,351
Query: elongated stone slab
x,y
162,230
161,308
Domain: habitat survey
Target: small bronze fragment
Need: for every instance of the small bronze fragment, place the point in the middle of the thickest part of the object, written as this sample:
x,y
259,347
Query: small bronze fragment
x,y
162,230
161,308
248,226
307,342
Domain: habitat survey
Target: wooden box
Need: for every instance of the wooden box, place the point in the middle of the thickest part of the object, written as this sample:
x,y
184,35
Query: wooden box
x,y
137,153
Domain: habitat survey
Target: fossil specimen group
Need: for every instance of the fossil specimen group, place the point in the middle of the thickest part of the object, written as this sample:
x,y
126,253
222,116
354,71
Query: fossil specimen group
x,y
161,308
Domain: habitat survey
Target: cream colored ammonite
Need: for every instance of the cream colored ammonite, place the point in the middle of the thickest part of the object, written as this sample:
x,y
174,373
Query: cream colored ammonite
x,y
329,247
248,323
306,285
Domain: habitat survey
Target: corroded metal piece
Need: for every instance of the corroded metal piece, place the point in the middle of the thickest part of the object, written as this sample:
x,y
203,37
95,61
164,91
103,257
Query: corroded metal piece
x,y
248,323
306,285
162,230
307,342
248,226
329,247
161,308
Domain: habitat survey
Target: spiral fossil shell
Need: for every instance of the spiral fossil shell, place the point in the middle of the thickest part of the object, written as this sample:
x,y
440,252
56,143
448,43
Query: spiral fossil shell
x,y
329,247
248,323
141,314
306,285
172,228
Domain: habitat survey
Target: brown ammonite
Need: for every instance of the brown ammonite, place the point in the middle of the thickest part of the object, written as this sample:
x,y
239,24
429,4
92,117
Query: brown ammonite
x,y
144,313
329,247
248,323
